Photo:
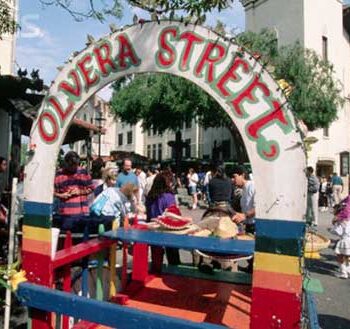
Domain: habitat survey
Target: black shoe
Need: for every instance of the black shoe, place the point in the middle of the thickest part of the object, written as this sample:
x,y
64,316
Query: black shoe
x,y
206,268
247,269
216,265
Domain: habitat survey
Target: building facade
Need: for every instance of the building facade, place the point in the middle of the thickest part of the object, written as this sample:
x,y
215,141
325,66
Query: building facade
x,y
321,26
97,112
7,62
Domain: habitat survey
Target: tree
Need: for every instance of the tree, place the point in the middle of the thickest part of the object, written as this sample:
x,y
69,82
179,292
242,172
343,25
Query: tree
x,y
313,90
99,9
7,21
165,102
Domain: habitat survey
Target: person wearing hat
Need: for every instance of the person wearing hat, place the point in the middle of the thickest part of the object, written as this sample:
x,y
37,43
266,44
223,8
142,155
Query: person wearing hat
x,y
240,179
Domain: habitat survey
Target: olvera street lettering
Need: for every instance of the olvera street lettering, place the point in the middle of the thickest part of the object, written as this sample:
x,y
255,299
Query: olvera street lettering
x,y
212,62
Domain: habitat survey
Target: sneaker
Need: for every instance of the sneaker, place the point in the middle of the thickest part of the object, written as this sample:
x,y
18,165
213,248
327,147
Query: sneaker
x,y
342,275
194,207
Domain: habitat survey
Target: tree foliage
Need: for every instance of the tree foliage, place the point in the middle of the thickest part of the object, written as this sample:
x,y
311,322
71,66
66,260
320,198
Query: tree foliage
x,y
163,101
100,9
315,92
7,20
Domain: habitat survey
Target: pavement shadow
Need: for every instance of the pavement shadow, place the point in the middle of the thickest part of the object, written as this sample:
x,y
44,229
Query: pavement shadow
x,y
321,267
327,321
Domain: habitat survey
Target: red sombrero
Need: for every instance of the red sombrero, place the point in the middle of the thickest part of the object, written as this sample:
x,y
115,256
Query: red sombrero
x,y
171,219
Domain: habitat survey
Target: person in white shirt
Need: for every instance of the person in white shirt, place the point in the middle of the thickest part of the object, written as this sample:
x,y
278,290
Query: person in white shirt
x,y
151,174
247,202
193,179
141,177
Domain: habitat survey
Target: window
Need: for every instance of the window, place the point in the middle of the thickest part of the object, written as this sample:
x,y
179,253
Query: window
x,y
344,163
325,48
129,137
120,139
188,148
148,151
160,152
154,151
326,132
148,132
154,131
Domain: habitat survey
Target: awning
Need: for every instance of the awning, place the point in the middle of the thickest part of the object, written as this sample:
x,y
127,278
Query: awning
x,y
78,130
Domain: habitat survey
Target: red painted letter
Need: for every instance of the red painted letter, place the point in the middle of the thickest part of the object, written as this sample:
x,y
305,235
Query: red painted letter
x,y
62,113
166,56
103,57
231,75
254,129
46,136
190,38
126,51
248,93
72,90
208,60
85,71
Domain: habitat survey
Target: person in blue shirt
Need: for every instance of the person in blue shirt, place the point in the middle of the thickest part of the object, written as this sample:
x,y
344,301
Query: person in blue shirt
x,y
127,176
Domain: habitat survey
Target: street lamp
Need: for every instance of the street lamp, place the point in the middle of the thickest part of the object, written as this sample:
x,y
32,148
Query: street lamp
x,y
99,120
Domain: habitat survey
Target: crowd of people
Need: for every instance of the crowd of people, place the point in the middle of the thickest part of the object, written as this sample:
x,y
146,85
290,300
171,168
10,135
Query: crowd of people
x,y
323,194
108,194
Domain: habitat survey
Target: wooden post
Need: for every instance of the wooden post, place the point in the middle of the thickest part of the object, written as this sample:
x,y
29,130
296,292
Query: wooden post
x,y
277,276
36,253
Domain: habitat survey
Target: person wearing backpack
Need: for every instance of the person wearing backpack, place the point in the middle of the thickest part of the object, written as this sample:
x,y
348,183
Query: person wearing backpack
x,y
313,186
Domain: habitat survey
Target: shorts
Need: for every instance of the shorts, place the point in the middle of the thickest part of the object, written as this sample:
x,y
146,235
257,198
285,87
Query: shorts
x,y
192,190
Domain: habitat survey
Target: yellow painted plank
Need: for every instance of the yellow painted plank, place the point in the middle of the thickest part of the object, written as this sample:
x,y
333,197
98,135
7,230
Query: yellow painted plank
x,y
276,263
37,233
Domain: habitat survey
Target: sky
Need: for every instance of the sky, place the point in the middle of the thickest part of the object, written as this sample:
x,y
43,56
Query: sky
x,y
49,35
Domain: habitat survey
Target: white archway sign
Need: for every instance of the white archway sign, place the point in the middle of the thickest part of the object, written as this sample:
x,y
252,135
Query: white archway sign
x,y
233,77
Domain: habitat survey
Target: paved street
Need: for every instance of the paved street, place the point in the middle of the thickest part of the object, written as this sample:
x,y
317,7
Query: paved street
x,y
333,304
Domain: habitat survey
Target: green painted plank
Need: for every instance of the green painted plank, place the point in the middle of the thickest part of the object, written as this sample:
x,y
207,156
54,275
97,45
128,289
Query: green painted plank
x,y
313,285
100,260
290,247
218,275
37,221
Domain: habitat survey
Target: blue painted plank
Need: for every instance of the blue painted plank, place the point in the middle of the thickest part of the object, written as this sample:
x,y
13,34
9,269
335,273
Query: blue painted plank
x,y
211,244
37,208
279,229
104,313
312,311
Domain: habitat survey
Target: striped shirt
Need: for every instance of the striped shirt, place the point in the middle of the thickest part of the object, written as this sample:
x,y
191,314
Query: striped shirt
x,y
65,182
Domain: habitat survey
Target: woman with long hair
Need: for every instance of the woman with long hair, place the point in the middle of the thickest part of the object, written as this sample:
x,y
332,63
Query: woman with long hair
x,y
159,198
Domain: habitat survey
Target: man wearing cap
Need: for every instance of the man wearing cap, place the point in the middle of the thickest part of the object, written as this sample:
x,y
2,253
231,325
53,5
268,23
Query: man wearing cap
x,y
247,202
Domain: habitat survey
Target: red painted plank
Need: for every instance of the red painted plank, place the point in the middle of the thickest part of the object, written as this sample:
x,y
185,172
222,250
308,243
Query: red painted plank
x,y
140,262
193,299
79,251
67,277
275,309
38,268
277,281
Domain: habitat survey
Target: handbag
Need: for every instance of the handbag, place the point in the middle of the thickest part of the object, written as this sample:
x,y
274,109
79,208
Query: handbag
x,y
99,204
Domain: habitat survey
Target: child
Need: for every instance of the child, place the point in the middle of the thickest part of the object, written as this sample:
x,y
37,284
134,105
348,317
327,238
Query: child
x,y
342,228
